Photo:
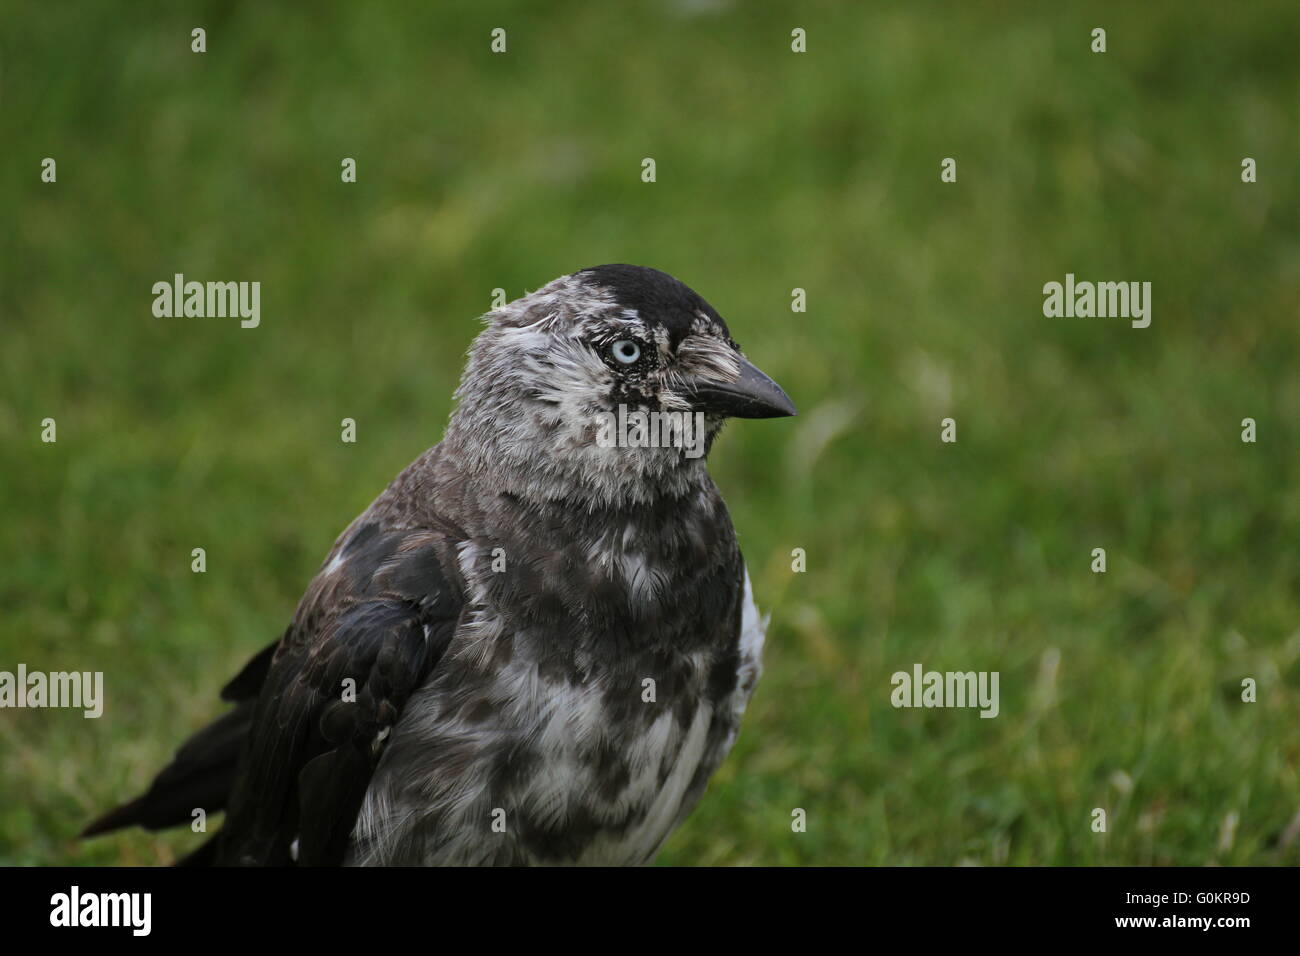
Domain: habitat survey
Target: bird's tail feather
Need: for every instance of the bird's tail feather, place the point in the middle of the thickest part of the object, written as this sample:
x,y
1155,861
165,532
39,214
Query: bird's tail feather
x,y
200,776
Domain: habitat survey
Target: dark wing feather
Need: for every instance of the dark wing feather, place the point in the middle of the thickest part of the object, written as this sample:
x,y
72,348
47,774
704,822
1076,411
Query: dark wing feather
x,y
379,622
248,682
292,760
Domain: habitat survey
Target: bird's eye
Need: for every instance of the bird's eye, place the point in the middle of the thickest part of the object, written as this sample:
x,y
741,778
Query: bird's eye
x,y
625,351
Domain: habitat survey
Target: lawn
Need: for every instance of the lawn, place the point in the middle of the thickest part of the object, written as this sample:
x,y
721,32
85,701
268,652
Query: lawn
x,y
775,171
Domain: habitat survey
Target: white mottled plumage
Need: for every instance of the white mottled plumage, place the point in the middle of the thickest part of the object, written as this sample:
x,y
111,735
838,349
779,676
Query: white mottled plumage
x,y
564,719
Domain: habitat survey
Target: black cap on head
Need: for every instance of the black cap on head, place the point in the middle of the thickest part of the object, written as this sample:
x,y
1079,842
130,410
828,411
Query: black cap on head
x,y
657,297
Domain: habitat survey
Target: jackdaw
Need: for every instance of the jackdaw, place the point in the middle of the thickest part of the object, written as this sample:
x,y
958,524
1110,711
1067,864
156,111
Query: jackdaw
x,y
536,645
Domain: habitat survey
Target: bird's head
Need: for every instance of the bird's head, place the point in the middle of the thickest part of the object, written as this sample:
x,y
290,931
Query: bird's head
x,y
609,384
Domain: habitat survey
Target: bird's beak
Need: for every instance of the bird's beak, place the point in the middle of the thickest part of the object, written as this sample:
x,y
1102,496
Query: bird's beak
x,y
752,395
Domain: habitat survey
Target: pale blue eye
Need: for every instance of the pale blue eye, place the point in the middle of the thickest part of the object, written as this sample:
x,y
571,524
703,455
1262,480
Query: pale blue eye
x,y
625,351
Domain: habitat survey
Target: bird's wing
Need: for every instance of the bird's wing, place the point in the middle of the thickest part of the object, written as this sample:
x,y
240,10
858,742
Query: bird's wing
x,y
373,625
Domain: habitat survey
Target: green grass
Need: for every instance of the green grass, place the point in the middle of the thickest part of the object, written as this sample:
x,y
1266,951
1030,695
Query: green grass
x,y
775,171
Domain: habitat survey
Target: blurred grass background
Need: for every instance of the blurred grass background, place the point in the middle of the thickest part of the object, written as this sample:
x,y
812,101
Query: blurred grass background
x,y
775,171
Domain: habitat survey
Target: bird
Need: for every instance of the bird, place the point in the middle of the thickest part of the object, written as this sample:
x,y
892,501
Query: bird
x,y
535,646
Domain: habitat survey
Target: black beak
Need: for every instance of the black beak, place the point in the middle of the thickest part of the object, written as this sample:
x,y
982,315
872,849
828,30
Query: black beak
x,y
753,395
